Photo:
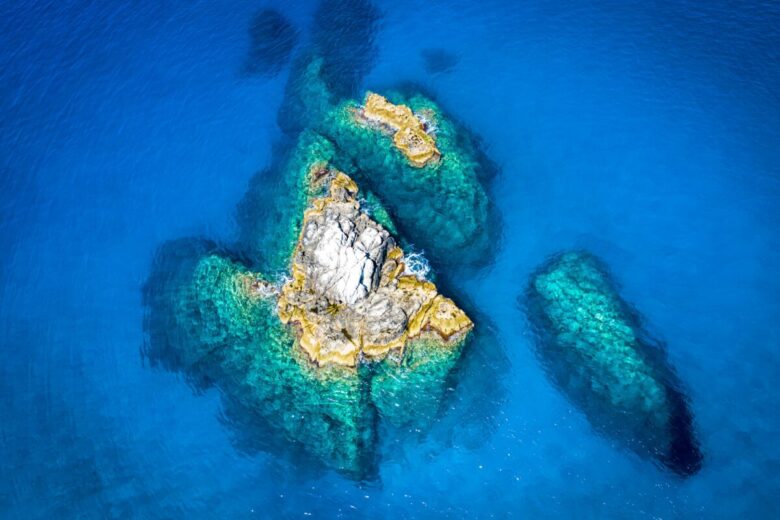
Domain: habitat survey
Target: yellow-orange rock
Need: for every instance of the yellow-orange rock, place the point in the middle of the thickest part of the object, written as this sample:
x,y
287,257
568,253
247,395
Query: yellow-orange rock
x,y
408,130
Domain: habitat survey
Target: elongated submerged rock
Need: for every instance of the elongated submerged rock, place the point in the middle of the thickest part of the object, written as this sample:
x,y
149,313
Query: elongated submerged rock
x,y
595,350
351,295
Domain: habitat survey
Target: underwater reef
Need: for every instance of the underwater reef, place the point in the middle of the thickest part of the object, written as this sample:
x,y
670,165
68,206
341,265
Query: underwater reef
x,y
404,149
595,350
400,146
290,354
205,320
324,327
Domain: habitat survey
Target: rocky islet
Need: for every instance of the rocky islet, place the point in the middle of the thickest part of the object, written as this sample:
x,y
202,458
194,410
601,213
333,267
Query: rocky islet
x,y
316,323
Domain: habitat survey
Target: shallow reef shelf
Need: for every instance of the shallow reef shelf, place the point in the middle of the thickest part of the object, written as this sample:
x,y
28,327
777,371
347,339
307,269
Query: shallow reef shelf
x,y
207,322
594,348
445,193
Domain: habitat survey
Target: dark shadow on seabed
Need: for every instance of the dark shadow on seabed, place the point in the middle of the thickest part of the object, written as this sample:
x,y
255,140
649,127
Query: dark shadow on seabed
x,y
343,37
595,350
271,41
439,61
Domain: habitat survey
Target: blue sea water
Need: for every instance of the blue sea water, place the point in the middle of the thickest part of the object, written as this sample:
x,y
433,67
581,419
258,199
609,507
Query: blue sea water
x,y
648,133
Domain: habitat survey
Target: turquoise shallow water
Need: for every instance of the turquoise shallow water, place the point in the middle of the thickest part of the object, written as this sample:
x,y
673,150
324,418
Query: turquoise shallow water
x,y
646,134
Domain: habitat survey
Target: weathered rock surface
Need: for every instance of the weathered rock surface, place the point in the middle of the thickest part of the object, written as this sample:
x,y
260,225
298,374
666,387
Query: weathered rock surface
x,y
350,294
409,131
342,249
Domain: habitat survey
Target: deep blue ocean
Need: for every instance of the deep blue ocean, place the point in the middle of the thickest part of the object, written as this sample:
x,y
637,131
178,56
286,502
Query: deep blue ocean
x,y
646,132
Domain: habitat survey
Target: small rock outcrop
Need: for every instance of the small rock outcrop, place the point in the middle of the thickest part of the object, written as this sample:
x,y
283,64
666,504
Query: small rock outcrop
x,y
408,130
350,294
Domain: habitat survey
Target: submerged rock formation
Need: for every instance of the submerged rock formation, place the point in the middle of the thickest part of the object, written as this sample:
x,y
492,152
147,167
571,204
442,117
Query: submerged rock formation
x,y
439,61
214,320
350,294
593,346
271,212
342,50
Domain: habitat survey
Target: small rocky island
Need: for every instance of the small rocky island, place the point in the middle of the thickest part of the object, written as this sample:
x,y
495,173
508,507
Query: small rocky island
x,y
409,131
322,325
318,326
351,295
